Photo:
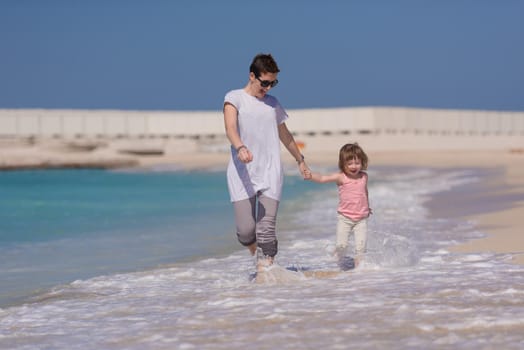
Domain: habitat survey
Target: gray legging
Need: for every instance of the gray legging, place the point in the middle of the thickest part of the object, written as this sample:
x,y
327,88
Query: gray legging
x,y
256,222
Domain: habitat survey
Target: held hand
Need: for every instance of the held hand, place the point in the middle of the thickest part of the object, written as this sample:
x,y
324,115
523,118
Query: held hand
x,y
307,175
304,170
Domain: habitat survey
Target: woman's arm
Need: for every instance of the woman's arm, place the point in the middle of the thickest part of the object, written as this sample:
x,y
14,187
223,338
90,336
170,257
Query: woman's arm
x,y
231,125
289,142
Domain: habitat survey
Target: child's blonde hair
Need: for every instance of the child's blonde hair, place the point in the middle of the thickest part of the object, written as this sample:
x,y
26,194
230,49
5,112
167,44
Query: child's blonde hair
x,y
351,151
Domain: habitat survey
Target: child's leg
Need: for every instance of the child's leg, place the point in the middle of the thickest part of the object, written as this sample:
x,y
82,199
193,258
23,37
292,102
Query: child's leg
x,y
344,227
360,229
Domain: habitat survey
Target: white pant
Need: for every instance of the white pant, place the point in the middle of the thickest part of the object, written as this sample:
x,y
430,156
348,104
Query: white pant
x,y
346,226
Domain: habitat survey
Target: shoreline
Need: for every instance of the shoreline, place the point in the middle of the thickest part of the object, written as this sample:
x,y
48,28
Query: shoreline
x,y
494,206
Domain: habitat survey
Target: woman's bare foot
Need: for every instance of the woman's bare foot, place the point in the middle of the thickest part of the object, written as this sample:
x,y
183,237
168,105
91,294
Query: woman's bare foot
x,y
252,248
263,262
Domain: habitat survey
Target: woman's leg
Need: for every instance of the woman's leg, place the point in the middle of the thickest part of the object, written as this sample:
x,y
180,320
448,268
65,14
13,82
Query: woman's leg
x,y
266,225
245,222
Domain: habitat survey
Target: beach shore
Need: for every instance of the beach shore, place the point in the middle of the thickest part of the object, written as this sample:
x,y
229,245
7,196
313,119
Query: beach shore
x,y
496,204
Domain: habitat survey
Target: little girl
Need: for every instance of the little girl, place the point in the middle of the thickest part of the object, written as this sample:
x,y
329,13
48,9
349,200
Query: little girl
x,y
353,207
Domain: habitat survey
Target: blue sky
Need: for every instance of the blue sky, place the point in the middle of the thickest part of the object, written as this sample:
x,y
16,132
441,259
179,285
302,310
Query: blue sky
x,y
186,54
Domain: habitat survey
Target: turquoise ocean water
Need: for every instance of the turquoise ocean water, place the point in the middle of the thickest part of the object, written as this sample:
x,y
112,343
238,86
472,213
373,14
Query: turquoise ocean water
x,y
57,226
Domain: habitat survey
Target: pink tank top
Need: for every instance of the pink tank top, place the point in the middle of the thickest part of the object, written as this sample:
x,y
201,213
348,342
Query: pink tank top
x,y
353,201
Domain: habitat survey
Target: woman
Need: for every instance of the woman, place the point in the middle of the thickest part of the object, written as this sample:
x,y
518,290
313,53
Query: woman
x,y
255,126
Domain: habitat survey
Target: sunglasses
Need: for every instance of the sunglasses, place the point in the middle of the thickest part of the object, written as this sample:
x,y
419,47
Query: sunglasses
x,y
266,83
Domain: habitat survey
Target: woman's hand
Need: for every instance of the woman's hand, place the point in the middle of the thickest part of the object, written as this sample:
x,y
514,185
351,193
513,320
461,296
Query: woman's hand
x,y
244,154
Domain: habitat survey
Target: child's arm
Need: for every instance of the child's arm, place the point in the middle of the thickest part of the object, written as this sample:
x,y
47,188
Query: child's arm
x,y
316,177
367,197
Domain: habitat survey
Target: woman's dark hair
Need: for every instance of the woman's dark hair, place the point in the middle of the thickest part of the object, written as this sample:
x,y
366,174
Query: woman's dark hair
x,y
263,63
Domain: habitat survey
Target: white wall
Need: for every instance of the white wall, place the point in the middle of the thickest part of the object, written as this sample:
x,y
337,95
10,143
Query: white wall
x,y
116,123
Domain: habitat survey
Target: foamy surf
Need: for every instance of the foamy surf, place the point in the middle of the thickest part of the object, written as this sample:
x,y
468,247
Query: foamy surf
x,y
409,292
